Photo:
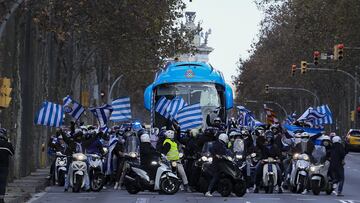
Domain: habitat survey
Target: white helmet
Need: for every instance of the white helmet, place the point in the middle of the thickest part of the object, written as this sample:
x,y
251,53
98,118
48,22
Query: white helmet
x,y
224,137
336,139
170,134
145,137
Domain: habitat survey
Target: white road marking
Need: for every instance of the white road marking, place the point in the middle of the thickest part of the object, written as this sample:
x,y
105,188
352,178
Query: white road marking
x,y
346,201
36,197
247,202
270,198
306,199
142,200
86,197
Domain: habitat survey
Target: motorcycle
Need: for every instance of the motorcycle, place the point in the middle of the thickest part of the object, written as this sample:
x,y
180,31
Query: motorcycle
x,y
231,177
137,179
269,180
60,168
203,162
78,171
96,171
319,179
299,174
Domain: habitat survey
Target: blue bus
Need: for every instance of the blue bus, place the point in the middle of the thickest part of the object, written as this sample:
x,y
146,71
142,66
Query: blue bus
x,y
195,82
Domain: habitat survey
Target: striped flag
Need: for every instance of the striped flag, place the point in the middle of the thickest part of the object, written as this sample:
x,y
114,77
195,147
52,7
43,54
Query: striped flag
x,y
290,119
50,114
73,108
318,116
246,118
175,105
270,115
161,107
102,113
121,109
189,117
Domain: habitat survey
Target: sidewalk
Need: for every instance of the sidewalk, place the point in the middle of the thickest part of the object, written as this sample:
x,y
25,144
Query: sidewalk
x,y
21,189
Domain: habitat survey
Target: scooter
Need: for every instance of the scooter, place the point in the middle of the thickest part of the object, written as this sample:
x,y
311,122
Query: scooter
x,y
60,168
137,179
299,174
269,180
77,172
96,173
231,177
319,179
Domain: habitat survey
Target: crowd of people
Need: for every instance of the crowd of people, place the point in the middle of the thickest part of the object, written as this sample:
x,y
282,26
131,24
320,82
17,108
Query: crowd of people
x,y
187,149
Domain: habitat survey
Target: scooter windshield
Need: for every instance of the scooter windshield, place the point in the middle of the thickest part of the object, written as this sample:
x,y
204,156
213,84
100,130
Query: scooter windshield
x,y
238,147
132,144
319,154
206,150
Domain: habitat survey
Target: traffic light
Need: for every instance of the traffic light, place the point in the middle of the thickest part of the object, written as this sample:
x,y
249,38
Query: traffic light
x,y
5,91
339,51
352,116
293,69
266,88
316,57
358,111
304,65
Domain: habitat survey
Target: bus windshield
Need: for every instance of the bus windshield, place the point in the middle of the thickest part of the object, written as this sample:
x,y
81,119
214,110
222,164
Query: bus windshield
x,y
209,95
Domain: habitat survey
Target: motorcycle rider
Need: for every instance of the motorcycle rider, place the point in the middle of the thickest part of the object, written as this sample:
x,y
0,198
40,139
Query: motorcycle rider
x,y
191,152
269,149
6,150
148,154
218,150
337,163
170,148
56,144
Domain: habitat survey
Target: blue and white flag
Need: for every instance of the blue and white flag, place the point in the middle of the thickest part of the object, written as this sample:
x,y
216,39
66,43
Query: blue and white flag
x,y
290,119
175,105
73,108
50,114
102,114
189,117
121,109
161,107
246,118
318,116
291,129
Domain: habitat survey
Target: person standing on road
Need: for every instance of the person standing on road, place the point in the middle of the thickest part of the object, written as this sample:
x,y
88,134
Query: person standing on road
x,y
337,162
6,150
218,150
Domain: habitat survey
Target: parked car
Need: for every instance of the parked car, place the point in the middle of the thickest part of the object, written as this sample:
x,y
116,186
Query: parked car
x,y
352,139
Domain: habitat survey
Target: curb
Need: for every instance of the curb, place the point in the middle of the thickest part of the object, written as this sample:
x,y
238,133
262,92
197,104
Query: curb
x,y
21,190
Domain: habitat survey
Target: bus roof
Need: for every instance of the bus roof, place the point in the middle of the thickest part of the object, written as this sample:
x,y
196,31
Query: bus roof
x,y
185,72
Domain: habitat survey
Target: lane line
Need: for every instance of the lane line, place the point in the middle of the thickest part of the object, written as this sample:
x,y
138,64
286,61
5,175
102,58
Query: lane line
x,y
269,198
142,200
300,199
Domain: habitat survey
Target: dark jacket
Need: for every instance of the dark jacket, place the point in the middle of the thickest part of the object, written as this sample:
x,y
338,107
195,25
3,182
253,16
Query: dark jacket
x,y
219,149
337,156
6,150
147,153
269,151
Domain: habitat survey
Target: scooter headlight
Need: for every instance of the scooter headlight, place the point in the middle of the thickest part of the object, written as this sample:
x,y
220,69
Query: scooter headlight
x,y
238,156
229,158
312,168
296,156
210,159
132,154
181,155
305,157
173,164
154,163
79,157
204,158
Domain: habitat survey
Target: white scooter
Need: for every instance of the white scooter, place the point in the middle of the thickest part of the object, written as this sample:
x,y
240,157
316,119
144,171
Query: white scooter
x,y
77,172
60,168
269,180
96,172
319,179
300,172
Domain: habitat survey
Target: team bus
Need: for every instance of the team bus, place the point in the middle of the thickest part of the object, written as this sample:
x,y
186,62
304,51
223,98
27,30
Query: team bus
x,y
195,82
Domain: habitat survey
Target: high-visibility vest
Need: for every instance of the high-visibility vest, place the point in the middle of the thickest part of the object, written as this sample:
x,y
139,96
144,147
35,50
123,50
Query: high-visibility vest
x,y
173,154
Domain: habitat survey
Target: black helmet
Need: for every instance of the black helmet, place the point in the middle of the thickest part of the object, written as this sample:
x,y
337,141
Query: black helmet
x,y
3,133
210,131
217,121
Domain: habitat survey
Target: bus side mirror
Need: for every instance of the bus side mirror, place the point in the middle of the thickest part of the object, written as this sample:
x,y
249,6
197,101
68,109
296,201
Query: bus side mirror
x,y
147,97
229,97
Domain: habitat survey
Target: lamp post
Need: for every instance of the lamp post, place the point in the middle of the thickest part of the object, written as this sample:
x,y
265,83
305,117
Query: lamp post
x,y
317,100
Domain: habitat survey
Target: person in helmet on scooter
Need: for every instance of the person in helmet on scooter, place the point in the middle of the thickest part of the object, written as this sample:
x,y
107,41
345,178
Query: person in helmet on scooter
x,y
148,154
268,149
171,150
218,150
6,151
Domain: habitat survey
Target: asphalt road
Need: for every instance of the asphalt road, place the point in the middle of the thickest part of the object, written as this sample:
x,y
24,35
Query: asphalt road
x,y
351,193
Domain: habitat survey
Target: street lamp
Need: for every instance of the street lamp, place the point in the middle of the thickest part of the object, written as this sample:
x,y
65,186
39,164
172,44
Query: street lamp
x,y
297,89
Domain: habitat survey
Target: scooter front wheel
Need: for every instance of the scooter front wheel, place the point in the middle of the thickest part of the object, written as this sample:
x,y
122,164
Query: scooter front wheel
x,y
169,185
225,187
97,182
